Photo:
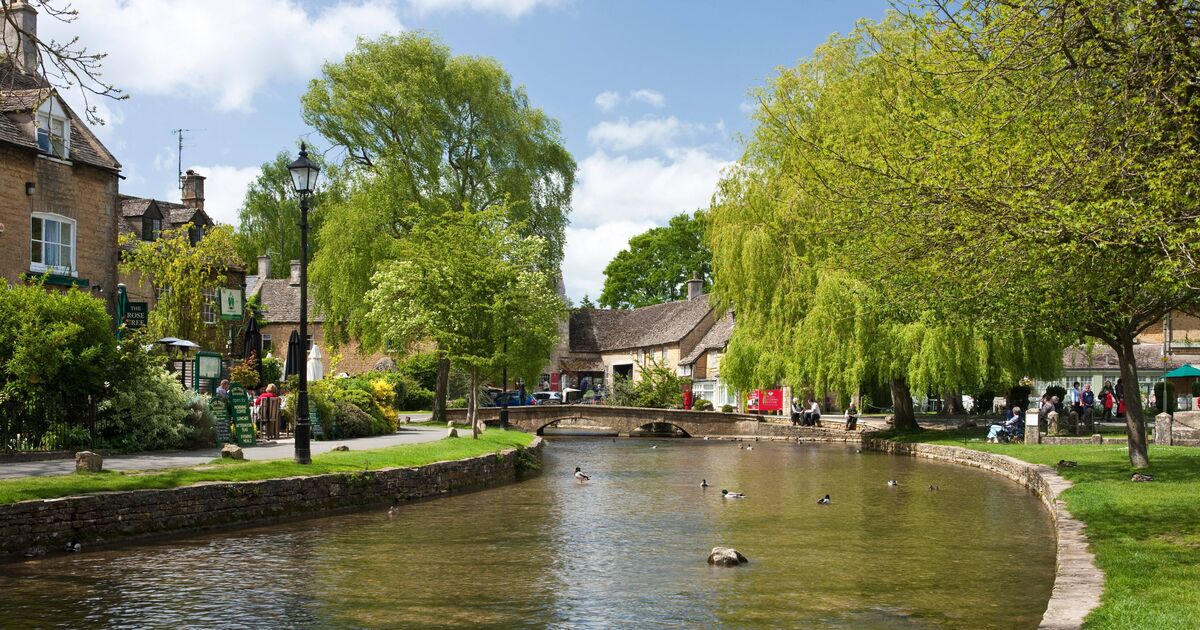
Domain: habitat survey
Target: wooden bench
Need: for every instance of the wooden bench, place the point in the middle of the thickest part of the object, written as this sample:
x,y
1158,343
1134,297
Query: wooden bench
x,y
268,417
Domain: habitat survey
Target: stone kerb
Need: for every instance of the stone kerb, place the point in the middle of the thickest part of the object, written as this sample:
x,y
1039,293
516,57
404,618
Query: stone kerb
x,y
45,525
1078,583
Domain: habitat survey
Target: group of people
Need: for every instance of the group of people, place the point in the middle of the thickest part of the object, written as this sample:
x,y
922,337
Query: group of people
x,y
810,415
1111,399
271,391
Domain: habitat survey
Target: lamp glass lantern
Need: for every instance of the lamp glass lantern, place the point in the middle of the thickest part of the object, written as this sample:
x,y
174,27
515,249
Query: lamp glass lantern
x,y
304,173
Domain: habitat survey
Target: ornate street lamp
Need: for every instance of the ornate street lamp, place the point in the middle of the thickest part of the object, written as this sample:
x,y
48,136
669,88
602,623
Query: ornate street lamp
x,y
304,181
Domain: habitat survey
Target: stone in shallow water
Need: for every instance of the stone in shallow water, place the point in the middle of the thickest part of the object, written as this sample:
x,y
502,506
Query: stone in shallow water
x,y
726,557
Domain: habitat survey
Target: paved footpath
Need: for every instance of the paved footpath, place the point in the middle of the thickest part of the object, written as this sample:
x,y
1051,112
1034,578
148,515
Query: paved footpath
x,y
282,449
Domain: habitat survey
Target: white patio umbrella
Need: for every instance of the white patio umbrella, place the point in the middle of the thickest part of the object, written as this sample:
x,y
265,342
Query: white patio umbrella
x,y
315,370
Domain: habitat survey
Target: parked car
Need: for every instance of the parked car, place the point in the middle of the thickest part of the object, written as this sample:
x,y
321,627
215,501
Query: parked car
x,y
547,398
514,399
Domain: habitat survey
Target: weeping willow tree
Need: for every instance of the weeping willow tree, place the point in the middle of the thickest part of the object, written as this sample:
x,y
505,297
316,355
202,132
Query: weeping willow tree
x,y
821,247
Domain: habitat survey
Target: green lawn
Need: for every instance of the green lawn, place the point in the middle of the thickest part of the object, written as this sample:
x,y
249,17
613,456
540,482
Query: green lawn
x,y
491,441
1146,536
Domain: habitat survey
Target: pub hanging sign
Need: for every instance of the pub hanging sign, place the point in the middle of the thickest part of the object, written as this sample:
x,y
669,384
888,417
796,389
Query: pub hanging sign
x,y
231,303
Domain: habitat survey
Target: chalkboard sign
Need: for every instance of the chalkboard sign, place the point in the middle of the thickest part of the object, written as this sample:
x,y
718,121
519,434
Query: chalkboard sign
x,y
314,419
220,409
243,426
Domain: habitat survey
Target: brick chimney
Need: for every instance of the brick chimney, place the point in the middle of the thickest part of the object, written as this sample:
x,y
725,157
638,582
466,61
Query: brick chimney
x,y
19,41
264,267
193,190
294,279
695,286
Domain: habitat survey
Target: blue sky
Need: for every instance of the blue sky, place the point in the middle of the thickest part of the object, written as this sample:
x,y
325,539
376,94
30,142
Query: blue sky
x,y
651,94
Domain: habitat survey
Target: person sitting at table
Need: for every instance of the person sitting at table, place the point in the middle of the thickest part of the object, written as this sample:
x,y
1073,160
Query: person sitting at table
x,y
270,392
223,389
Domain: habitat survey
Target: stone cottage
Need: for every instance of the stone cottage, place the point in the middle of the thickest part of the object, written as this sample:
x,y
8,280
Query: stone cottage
x,y
58,183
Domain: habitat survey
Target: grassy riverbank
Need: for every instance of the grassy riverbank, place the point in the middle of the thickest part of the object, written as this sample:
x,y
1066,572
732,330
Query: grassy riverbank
x,y
1146,536
405,455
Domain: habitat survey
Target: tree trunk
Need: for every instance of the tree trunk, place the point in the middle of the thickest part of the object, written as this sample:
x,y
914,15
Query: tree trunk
x,y
1135,421
952,403
439,391
473,405
902,408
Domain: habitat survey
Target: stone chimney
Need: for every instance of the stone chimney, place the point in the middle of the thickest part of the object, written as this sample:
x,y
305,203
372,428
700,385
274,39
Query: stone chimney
x,y
19,42
294,279
193,190
695,286
264,267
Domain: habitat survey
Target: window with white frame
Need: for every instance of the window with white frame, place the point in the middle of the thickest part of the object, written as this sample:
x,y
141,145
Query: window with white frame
x,y
212,308
52,246
54,129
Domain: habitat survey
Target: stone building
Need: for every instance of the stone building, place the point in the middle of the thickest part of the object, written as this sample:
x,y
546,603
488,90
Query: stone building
x,y
58,183
602,344
703,365
279,299
148,218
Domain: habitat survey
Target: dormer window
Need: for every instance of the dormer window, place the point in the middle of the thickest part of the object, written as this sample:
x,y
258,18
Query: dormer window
x,y
151,228
195,233
54,130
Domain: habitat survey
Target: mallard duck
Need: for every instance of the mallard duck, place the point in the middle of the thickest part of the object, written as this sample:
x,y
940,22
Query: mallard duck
x,y
893,483
653,446
394,510
732,495
934,488
749,448
703,483
579,474
824,501
73,547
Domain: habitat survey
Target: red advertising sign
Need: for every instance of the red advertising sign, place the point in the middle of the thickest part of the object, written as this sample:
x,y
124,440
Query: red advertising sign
x,y
765,400
555,381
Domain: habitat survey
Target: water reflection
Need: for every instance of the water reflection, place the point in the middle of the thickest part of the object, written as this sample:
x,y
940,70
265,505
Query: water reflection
x,y
626,548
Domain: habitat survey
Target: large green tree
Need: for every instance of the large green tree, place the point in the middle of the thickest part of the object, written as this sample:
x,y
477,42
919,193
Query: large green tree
x,y
185,276
799,242
658,263
1024,164
470,283
427,133
269,219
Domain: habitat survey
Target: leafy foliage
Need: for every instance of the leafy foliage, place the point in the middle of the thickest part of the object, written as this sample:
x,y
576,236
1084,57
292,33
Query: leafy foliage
x,y
658,263
56,351
182,272
657,386
146,412
469,283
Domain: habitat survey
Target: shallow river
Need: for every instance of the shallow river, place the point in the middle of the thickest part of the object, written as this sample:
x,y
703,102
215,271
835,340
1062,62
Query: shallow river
x,y
626,549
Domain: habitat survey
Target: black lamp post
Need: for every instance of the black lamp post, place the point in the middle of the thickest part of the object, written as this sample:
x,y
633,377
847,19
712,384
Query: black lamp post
x,y
304,180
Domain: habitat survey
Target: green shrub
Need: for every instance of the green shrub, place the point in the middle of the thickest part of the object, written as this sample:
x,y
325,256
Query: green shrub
x,y
145,412
57,350
244,374
1169,397
67,437
352,422
198,423
1195,388
659,387
701,404
420,398
272,370
457,403
727,408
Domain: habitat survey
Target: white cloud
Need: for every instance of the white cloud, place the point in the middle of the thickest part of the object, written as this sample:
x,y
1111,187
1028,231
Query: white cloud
x,y
748,107
608,100
623,135
588,251
224,190
653,98
619,188
511,9
225,51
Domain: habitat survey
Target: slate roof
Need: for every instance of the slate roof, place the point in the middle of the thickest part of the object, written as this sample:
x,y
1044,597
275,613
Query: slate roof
x,y
174,215
1149,357
717,338
22,93
602,330
281,302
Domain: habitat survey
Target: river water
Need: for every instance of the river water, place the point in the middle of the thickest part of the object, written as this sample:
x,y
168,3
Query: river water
x,y
626,549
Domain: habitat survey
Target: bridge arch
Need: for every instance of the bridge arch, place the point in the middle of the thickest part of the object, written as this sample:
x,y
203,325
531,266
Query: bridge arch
x,y
682,429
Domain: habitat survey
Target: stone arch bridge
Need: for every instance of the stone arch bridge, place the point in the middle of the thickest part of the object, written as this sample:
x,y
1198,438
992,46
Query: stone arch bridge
x,y
625,420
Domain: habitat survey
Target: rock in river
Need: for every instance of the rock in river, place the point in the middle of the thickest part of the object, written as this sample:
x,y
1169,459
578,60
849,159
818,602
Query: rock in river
x,y
726,557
